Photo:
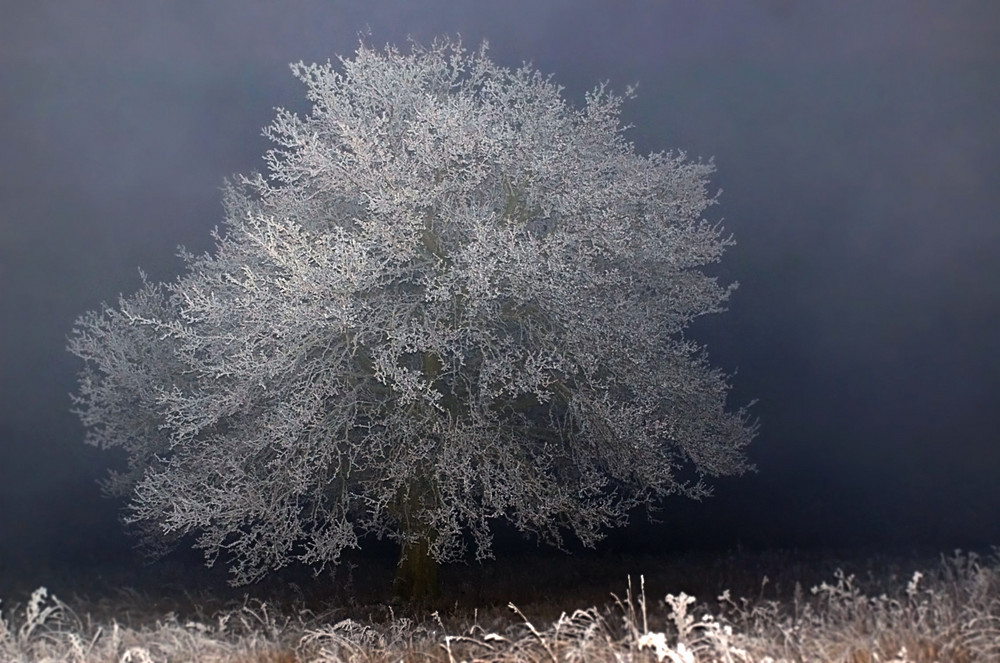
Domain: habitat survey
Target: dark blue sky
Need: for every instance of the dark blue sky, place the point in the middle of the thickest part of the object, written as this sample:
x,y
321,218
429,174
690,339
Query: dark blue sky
x,y
857,146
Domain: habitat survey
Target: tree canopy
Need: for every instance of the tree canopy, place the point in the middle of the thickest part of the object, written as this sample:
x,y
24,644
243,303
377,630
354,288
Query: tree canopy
x,y
452,298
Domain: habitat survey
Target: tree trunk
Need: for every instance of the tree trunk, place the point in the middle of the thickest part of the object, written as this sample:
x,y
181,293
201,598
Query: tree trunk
x,y
417,573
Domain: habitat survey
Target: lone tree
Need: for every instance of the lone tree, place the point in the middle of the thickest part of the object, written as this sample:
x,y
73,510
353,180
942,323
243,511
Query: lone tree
x,y
453,298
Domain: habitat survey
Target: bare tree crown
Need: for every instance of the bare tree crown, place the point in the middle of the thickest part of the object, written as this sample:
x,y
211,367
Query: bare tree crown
x,y
452,298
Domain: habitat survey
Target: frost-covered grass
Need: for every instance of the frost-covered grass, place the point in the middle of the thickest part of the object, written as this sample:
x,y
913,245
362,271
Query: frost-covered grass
x,y
879,609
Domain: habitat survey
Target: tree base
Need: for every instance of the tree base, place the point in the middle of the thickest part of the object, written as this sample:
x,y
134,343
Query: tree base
x,y
417,573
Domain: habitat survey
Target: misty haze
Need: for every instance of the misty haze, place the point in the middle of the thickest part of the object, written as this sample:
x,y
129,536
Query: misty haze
x,y
649,331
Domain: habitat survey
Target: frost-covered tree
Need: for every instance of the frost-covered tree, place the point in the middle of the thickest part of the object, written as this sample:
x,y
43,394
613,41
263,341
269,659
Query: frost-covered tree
x,y
453,298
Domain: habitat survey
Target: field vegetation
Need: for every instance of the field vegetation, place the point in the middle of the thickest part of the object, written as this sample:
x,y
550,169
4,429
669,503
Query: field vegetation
x,y
740,607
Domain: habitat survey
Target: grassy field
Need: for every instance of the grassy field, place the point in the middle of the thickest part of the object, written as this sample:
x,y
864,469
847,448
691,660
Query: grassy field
x,y
738,607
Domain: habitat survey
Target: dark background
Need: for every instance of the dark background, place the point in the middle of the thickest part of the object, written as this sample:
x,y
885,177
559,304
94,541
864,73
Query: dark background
x,y
857,144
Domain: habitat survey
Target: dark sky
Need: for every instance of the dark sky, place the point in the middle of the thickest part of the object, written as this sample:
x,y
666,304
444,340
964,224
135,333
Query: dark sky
x,y
857,146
